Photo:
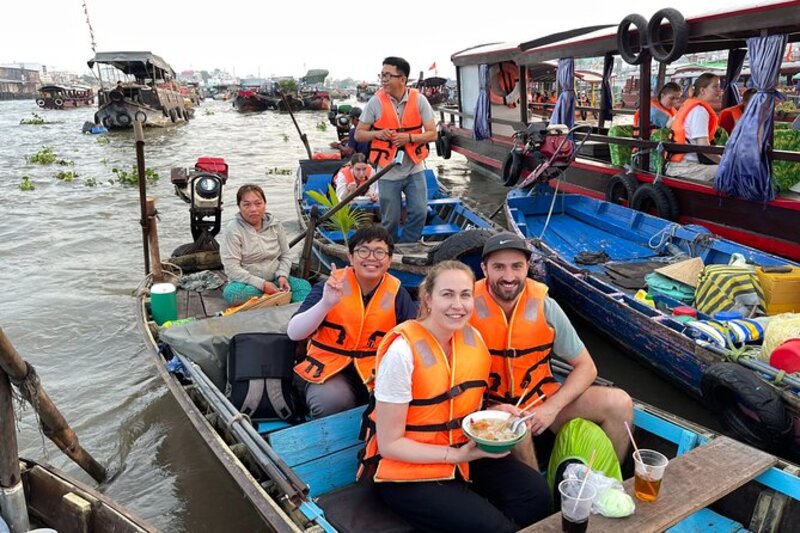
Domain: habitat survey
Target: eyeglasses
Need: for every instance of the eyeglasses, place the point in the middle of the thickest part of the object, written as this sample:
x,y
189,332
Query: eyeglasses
x,y
379,253
387,75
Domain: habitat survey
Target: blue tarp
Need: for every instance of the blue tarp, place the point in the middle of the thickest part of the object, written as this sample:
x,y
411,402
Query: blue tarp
x,y
745,168
564,110
481,129
734,70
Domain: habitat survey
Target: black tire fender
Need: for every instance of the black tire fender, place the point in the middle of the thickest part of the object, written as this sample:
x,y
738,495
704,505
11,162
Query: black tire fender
x,y
680,35
649,197
621,188
58,102
624,45
447,152
116,96
106,122
140,116
40,102
512,167
460,245
173,115
124,119
747,405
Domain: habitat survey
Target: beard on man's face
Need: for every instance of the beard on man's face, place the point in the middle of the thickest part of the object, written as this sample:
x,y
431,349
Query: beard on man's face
x,y
506,291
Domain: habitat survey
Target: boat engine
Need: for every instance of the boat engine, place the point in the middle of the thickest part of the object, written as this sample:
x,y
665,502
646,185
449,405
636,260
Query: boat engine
x,y
201,188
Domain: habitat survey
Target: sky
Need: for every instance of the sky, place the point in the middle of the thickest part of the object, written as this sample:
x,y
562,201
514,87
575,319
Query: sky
x,y
286,38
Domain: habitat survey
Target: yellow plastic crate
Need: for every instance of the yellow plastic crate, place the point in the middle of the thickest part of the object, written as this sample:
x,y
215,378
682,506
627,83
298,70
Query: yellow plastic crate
x,y
781,290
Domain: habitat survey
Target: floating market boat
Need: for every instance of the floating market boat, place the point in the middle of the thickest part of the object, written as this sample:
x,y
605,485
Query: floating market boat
x,y
64,96
138,86
741,207
598,254
252,96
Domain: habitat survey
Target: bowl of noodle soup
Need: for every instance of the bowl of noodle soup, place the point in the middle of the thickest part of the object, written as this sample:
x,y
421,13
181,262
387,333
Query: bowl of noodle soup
x,y
486,429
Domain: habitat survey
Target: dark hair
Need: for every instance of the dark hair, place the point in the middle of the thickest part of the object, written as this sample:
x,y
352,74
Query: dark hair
x,y
355,112
703,80
670,87
369,233
358,158
748,94
401,64
249,187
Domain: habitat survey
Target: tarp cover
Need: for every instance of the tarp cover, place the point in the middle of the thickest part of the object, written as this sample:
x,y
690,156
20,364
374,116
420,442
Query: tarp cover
x,y
206,341
139,64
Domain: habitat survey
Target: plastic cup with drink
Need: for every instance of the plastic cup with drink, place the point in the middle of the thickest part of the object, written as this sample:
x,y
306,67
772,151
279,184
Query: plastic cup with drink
x,y
576,505
648,473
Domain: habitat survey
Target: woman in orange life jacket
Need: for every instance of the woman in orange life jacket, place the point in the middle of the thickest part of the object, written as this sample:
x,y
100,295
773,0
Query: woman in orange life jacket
x,y
663,107
353,174
424,460
729,116
695,123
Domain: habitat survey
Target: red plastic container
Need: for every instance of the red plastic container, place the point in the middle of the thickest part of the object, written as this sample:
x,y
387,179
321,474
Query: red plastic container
x,y
215,165
684,310
787,356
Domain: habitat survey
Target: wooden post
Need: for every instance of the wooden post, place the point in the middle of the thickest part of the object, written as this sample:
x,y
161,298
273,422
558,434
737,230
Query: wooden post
x,y
155,253
644,104
12,500
139,134
307,245
53,423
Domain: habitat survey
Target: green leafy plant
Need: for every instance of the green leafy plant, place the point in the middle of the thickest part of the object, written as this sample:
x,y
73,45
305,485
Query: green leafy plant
x,y
26,184
131,178
208,112
90,182
45,156
103,140
285,138
275,171
322,125
66,175
346,219
288,86
35,120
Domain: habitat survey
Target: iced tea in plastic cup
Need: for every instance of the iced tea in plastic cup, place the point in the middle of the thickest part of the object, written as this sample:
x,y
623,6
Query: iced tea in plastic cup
x,y
576,505
649,471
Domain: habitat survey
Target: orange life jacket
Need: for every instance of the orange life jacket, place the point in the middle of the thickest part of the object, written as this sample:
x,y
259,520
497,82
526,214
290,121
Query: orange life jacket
x,y
443,392
351,333
503,84
381,153
520,348
349,178
679,124
729,116
653,103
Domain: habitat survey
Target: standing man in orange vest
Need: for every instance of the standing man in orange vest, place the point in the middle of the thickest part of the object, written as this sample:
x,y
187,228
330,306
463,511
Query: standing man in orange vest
x,y
344,320
399,118
522,326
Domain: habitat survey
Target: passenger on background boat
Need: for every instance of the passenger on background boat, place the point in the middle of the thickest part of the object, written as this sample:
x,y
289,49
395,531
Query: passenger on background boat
x,y
398,117
729,116
344,319
663,107
352,175
523,327
352,146
255,253
696,123
430,473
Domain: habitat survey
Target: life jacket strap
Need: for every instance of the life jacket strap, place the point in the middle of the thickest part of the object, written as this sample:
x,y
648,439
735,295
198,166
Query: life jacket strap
x,y
450,394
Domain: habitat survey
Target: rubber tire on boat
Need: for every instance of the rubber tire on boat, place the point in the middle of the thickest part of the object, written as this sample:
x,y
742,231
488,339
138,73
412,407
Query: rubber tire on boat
x,y
106,122
173,115
447,152
623,39
512,167
680,35
621,187
124,119
58,102
140,116
40,102
649,196
116,96
460,244
729,387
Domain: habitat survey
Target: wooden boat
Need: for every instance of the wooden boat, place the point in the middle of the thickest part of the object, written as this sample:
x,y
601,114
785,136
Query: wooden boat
x,y
301,476
252,96
152,97
453,229
636,243
365,91
773,226
64,96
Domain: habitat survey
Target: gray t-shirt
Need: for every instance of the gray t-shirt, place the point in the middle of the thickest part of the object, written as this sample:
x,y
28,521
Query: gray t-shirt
x,y
567,344
372,113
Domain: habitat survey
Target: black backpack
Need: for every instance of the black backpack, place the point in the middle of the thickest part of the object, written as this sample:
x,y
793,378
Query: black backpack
x,y
260,372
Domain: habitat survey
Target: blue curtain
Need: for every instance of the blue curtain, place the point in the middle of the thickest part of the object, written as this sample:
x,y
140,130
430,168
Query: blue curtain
x,y
734,70
481,128
745,167
608,68
564,111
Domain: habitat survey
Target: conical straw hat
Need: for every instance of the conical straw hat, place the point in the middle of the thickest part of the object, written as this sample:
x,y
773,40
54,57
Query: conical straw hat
x,y
687,271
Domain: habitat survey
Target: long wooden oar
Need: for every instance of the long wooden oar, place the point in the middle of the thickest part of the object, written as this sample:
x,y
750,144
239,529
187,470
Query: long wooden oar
x,y
296,125
360,190
53,423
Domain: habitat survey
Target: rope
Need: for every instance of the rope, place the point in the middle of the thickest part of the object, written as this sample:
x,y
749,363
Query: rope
x,y
664,237
552,205
28,388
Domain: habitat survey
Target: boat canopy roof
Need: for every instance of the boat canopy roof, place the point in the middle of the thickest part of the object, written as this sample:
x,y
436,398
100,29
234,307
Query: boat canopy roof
x,y
485,53
138,64
433,81
54,87
315,75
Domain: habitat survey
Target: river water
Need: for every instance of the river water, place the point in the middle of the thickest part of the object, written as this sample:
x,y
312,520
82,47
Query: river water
x,y
71,257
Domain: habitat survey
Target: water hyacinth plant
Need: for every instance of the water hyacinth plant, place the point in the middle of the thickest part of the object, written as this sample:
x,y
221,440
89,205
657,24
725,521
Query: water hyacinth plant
x,y
26,184
346,219
131,178
35,120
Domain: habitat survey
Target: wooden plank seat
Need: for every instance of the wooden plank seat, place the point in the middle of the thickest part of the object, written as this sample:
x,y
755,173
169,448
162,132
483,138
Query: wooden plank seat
x,y
324,453
692,481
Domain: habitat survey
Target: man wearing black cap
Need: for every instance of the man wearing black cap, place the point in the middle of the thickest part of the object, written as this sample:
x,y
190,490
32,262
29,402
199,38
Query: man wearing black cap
x,y
352,146
522,326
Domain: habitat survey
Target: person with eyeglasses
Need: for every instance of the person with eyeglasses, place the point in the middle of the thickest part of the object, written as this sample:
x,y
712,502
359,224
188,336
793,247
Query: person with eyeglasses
x,y
344,319
399,118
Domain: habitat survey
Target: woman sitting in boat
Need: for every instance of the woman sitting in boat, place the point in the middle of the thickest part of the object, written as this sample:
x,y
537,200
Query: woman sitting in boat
x,y
696,123
729,116
430,473
255,252
663,107
352,175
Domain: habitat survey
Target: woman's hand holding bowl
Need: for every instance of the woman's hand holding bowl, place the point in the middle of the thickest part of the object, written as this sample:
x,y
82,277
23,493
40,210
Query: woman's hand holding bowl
x,y
470,452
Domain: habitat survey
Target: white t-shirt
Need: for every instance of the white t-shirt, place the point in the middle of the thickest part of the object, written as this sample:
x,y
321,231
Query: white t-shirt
x,y
393,380
341,186
696,127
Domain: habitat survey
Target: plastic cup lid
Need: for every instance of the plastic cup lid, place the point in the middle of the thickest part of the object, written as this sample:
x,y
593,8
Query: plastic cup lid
x,y
162,288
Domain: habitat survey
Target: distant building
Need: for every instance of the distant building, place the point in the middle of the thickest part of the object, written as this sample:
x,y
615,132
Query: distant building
x,y
18,82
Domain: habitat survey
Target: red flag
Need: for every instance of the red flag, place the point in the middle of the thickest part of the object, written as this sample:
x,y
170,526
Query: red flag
x,y
433,66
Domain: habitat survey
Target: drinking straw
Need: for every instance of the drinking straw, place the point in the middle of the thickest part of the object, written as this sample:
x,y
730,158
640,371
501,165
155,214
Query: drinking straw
x,y
585,479
628,429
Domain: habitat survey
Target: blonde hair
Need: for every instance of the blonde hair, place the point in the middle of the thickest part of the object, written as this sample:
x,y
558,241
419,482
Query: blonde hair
x,y
426,287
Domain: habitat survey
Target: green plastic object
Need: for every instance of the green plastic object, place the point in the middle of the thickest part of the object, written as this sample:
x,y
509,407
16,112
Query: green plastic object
x,y
614,503
620,154
163,302
576,440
